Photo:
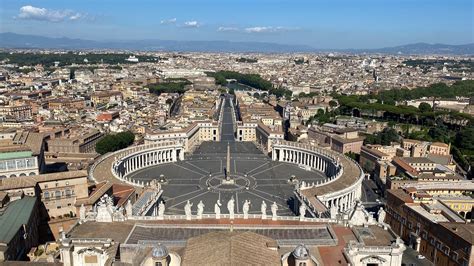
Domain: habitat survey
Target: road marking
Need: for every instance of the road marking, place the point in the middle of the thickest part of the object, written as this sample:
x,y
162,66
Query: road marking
x,y
257,167
267,169
205,192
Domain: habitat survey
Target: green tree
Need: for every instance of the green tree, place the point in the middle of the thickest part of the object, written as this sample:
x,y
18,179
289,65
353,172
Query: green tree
x,y
115,142
465,138
425,107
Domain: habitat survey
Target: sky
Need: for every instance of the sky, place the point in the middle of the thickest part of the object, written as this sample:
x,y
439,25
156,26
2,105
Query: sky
x,y
334,24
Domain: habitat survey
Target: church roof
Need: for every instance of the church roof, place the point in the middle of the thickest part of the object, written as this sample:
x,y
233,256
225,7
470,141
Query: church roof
x,y
231,248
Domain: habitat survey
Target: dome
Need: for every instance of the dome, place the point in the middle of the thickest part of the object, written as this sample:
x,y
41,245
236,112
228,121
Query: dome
x,y
301,252
160,251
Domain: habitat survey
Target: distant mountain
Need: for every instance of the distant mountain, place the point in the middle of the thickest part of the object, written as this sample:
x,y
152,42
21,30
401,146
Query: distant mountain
x,y
13,40
426,48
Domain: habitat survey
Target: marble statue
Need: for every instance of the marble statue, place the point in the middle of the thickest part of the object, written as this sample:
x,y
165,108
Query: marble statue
x,y
274,211
381,215
246,208
302,211
200,209
161,209
217,209
263,209
230,208
128,209
105,209
187,210
303,184
82,212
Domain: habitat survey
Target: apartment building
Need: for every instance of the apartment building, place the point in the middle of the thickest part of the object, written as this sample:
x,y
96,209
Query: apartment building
x,y
431,228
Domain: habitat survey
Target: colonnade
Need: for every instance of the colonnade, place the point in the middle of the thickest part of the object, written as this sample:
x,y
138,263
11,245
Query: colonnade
x,y
306,158
134,162
328,163
344,201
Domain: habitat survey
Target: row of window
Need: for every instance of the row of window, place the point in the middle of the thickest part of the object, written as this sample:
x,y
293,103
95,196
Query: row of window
x,y
14,175
17,164
58,194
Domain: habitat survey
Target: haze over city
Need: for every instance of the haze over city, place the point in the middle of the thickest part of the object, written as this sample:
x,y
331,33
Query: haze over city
x,y
319,24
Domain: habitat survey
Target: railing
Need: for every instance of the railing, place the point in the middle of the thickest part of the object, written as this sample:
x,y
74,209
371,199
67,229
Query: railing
x,y
236,216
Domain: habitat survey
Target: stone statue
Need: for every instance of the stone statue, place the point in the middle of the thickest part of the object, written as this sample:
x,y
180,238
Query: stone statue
x,y
333,211
263,209
230,207
161,209
303,184
128,209
105,209
274,211
302,211
246,209
82,212
381,215
187,210
200,210
217,209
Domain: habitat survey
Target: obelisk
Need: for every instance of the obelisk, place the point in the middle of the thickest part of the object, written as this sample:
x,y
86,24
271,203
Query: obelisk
x,y
227,174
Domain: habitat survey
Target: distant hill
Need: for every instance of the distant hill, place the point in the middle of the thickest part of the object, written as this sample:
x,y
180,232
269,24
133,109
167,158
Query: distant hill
x,y
13,40
426,48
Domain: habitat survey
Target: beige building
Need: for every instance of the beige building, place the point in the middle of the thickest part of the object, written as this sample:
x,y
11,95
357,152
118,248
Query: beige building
x,y
57,191
82,140
191,136
20,112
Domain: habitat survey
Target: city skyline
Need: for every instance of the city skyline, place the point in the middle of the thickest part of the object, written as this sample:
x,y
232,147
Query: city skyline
x,y
321,24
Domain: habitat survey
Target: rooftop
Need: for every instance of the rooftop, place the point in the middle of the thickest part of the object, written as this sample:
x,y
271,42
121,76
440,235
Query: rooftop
x,y
13,216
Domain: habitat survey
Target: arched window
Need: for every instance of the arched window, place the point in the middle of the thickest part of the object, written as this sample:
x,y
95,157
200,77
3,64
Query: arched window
x,y
32,173
22,174
57,194
46,195
68,193
12,175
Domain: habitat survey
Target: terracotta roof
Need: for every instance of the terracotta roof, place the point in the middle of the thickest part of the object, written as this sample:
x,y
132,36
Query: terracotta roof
x,y
100,190
405,166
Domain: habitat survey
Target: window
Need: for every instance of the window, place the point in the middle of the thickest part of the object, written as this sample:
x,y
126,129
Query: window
x,y
158,263
57,194
46,195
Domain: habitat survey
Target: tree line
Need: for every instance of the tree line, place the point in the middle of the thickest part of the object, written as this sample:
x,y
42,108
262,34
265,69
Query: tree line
x,y
114,142
252,80
169,86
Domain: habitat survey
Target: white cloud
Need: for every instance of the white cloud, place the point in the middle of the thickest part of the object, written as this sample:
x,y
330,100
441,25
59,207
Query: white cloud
x,y
227,29
270,29
191,24
43,14
168,21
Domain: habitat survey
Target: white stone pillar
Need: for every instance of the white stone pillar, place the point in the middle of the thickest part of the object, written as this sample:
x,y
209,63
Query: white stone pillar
x,y
173,153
